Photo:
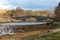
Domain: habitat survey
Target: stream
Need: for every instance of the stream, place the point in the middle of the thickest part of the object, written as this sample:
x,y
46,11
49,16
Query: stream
x,y
6,28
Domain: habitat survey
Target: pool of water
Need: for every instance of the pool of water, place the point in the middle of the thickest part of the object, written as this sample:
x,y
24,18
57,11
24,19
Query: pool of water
x,y
6,28
23,23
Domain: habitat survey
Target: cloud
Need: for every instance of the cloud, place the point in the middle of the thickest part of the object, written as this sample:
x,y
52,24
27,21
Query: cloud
x,y
4,4
37,4
8,7
29,4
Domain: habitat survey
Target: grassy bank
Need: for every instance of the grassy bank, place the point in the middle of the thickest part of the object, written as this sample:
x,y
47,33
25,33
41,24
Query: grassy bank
x,y
53,36
33,33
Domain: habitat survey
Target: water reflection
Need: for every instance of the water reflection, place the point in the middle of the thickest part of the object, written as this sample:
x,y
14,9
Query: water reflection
x,y
6,30
23,23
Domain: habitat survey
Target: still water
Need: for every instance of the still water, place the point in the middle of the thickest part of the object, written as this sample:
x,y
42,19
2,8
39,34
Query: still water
x,y
23,23
6,28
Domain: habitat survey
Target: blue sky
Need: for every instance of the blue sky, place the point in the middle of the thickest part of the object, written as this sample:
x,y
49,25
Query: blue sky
x,y
29,4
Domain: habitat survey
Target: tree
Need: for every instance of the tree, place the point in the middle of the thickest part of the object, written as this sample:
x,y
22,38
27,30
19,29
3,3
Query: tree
x,y
9,13
57,12
31,13
19,12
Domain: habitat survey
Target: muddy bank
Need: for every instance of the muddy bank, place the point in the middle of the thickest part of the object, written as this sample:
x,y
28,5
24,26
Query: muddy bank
x,y
33,28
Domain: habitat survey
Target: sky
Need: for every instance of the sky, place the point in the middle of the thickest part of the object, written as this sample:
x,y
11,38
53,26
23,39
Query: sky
x,y
29,4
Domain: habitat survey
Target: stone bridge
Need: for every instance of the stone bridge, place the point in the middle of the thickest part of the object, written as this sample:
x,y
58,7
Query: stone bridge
x,y
38,18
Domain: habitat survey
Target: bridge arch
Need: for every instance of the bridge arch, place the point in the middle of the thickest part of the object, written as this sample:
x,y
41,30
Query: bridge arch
x,y
31,19
37,18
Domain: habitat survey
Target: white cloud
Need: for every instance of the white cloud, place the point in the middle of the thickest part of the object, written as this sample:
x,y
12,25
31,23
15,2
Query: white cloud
x,y
58,0
7,7
10,4
4,4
